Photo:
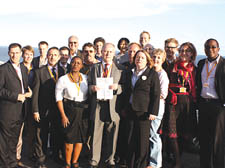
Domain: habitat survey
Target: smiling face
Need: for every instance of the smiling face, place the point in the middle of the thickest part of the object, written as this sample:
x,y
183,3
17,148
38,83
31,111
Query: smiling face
x,y
73,43
185,53
171,49
28,56
123,46
76,64
212,49
89,54
140,60
144,39
64,56
15,53
53,57
132,51
157,60
108,52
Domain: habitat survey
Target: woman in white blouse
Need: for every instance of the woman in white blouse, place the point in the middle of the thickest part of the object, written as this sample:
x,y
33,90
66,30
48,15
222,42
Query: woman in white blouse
x,y
71,96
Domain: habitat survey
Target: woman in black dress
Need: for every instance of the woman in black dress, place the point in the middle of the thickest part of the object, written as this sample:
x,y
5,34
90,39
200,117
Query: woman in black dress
x,y
71,96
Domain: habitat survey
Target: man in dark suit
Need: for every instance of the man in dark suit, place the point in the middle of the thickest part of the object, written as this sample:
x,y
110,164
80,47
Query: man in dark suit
x,y
44,106
13,92
42,59
63,62
210,79
103,111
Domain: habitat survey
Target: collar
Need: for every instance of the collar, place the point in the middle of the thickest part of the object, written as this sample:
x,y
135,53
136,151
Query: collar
x,y
14,65
140,72
50,67
216,60
60,64
103,63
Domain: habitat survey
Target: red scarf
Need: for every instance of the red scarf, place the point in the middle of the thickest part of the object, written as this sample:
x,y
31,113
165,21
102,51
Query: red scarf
x,y
190,68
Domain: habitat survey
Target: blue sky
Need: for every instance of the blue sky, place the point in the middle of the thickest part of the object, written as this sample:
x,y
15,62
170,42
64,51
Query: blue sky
x,y
29,22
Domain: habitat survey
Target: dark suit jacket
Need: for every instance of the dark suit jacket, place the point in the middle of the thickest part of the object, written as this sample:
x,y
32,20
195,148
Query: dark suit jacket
x,y
10,87
146,92
43,99
67,69
219,79
96,72
36,62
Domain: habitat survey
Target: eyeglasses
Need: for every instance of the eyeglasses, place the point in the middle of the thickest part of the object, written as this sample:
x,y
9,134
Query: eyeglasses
x,y
88,51
169,47
188,50
210,47
73,42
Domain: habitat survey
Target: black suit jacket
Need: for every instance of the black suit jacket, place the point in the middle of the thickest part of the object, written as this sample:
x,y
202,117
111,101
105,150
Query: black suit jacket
x,y
219,79
10,86
146,92
43,99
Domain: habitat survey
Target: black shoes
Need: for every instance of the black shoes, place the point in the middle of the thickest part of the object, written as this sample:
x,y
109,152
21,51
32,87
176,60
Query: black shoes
x,y
40,165
20,164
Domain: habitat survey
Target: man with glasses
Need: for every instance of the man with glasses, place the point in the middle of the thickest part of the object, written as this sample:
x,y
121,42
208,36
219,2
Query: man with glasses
x,y
73,44
88,52
211,103
171,48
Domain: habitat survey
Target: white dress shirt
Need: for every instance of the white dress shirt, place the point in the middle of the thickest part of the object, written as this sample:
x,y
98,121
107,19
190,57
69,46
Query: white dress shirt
x,y
209,92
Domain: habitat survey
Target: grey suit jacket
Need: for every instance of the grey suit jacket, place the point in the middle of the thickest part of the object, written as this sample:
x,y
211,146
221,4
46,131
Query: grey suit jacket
x,y
116,74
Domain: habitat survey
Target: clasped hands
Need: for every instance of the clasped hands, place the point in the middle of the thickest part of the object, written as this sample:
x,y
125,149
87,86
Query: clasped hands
x,y
22,97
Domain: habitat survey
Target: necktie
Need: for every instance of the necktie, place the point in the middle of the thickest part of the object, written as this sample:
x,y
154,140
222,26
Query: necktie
x,y
53,72
106,71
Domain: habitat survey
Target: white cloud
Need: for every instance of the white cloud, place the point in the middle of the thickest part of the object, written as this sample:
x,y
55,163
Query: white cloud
x,y
93,9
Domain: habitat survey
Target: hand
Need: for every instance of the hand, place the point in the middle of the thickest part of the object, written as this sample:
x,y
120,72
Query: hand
x,y
65,121
95,88
152,117
29,93
21,97
37,117
114,86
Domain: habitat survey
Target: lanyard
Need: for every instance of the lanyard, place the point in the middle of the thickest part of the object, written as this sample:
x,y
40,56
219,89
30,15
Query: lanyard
x,y
30,69
207,69
55,79
106,71
184,76
80,79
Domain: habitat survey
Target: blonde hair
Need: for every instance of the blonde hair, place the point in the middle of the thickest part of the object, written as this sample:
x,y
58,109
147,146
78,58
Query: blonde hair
x,y
171,40
159,51
145,32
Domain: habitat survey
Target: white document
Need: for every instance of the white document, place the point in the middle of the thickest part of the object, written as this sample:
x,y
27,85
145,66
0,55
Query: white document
x,y
104,93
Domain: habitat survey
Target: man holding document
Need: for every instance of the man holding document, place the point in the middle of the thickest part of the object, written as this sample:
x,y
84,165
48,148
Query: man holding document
x,y
104,86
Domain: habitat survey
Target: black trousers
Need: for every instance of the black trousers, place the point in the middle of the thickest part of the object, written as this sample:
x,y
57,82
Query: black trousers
x,y
9,134
138,140
211,134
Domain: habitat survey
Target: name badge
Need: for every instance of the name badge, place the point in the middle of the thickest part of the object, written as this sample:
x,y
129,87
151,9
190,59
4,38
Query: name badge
x,y
205,85
182,90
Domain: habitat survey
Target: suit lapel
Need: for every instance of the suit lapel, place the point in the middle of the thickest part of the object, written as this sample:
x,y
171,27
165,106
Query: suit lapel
x,y
24,75
12,69
145,73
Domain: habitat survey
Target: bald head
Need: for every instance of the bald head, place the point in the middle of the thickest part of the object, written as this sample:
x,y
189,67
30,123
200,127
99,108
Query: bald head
x,y
73,43
108,52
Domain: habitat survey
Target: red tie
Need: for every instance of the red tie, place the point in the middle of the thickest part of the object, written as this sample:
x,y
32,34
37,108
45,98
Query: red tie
x,y
105,71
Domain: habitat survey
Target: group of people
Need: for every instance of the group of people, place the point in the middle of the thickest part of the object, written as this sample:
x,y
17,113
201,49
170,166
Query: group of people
x,y
124,109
